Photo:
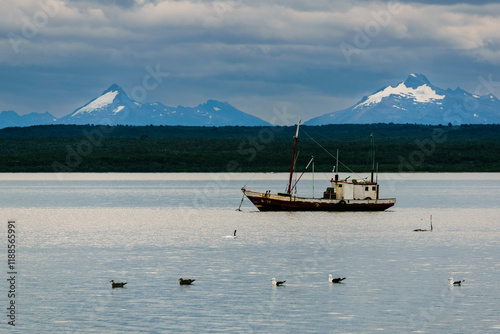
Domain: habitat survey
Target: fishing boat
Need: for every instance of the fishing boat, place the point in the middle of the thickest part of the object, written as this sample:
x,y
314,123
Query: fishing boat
x,y
342,195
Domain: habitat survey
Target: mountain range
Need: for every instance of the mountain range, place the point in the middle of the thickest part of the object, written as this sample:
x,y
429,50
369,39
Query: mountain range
x,y
414,101
115,107
10,118
417,101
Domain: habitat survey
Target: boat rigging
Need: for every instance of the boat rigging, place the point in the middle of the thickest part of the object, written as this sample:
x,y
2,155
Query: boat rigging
x,y
342,195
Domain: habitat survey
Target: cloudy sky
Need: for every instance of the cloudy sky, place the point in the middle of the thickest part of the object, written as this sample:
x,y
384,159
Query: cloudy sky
x,y
263,57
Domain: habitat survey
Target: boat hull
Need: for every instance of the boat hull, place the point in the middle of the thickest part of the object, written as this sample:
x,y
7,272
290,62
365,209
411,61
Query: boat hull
x,y
272,202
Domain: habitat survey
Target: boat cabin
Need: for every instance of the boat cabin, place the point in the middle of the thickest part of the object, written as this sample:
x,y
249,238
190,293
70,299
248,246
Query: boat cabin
x,y
353,189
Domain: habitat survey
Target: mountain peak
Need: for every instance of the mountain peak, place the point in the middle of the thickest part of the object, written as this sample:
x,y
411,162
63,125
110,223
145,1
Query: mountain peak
x,y
415,80
114,106
417,101
107,99
114,88
416,88
215,103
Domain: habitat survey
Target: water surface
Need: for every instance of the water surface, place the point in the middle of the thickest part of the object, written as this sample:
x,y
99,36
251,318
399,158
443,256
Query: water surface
x,y
77,233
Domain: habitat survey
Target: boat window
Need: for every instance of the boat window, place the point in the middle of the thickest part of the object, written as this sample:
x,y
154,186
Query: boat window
x,y
366,188
374,188
340,186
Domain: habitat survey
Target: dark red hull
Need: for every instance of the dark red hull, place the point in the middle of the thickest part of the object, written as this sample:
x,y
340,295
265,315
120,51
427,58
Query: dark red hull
x,y
269,202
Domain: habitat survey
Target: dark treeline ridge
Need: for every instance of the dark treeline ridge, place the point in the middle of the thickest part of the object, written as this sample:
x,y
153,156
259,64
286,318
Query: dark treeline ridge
x,y
398,148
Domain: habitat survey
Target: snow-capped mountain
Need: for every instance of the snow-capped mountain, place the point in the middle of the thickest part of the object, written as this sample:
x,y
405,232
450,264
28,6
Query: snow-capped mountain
x,y
112,104
417,101
115,107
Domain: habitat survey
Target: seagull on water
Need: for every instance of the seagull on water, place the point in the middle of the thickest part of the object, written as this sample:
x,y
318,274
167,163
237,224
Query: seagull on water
x,y
452,282
277,283
335,280
117,284
186,281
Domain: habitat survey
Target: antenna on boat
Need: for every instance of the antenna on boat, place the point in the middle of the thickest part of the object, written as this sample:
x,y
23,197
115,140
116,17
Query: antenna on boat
x,y
313,175
295,140
373,156
337,167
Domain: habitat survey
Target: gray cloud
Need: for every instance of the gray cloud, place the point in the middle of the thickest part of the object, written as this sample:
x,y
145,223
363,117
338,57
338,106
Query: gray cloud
x,y
258,55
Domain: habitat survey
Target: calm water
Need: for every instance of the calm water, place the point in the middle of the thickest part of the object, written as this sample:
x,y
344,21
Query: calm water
x,y
76,234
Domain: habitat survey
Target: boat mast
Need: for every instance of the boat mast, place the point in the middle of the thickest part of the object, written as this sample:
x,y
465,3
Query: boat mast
x,y
295,140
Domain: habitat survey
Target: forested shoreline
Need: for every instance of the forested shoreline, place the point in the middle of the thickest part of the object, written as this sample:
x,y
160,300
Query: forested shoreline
x,y
398,148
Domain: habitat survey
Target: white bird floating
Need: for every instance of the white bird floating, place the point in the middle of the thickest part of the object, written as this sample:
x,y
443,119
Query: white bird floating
x,y
453,282
277,283
335,280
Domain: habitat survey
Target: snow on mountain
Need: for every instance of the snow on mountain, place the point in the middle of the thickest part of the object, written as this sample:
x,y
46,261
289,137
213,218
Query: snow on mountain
x,y
417,101
422,94
115,107
99,103
112,106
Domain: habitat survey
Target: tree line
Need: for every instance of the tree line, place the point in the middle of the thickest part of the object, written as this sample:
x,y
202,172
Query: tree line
x,y
397,148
